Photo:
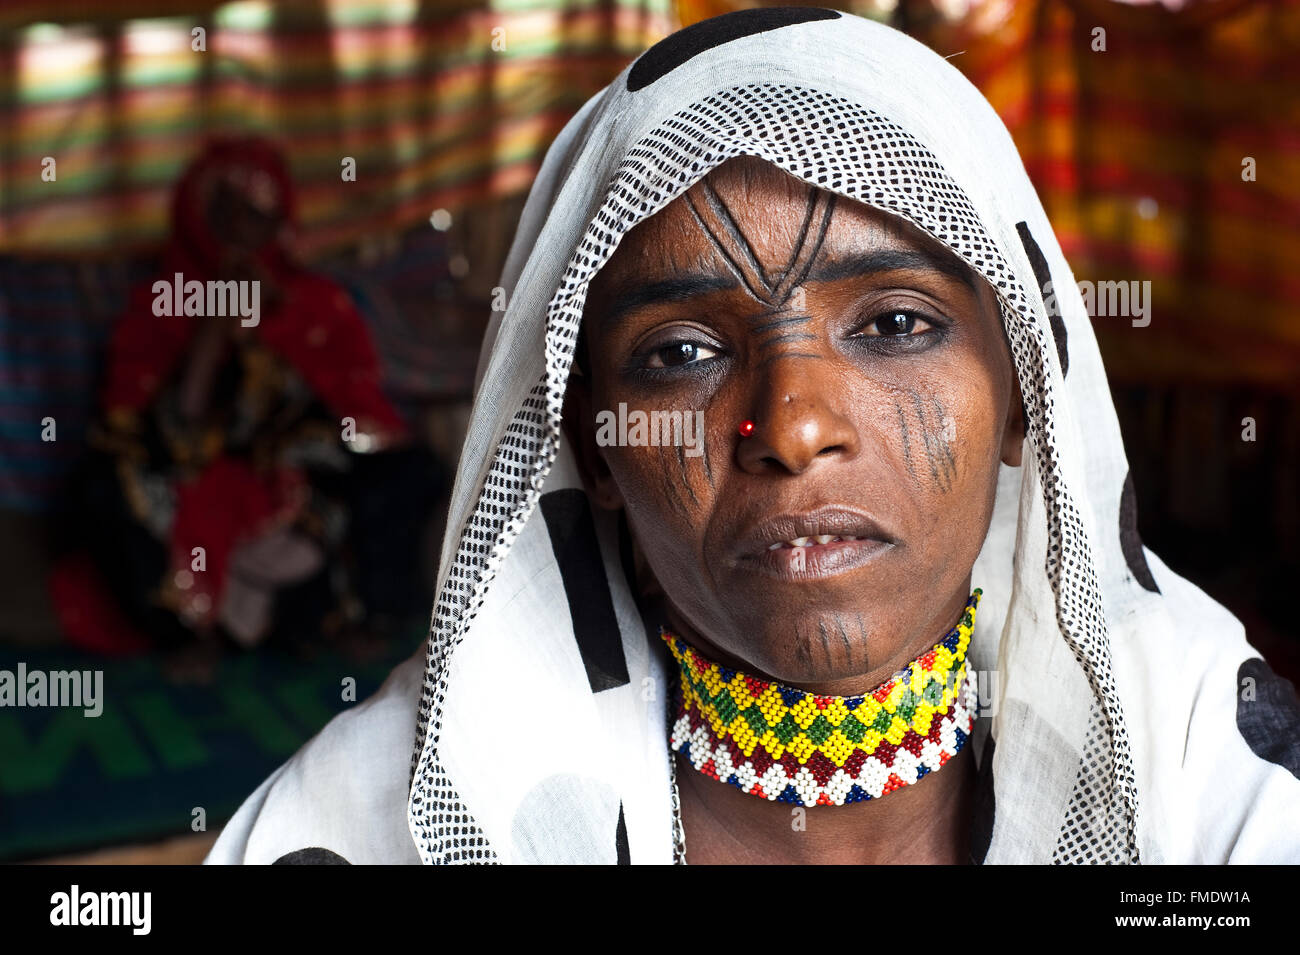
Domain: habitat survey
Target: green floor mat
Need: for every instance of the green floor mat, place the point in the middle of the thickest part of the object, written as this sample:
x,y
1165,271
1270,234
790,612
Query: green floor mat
x,y
160,751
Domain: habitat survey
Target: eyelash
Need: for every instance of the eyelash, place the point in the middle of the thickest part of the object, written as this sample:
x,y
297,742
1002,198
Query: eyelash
x,y
898,344
893,344
704,367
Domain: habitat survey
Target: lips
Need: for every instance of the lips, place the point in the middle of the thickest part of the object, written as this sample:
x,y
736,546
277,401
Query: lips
x,y
812,544
812,541
818,527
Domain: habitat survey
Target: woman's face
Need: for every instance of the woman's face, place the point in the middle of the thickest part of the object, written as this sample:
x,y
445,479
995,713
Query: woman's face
x,y
245,214
834,544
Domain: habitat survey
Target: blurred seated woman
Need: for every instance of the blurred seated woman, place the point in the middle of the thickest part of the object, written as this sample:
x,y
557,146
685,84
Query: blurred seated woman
x,y
241,430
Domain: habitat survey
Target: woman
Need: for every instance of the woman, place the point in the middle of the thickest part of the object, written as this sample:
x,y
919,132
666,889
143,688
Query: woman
x,y
838,472
216,494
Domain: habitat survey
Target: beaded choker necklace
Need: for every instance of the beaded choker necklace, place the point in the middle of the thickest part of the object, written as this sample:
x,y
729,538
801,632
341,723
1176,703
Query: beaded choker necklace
x,y
789,745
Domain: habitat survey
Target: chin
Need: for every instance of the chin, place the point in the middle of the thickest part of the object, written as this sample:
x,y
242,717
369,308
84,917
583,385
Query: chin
x,y
821,648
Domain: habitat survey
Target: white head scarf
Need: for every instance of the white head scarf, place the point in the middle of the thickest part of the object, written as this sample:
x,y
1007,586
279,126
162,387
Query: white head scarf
x,y
1114,729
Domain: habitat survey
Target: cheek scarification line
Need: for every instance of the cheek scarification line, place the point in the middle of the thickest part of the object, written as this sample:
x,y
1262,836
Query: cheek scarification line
x,y
686,478
708,468
935,441
907,447
941,415
670,486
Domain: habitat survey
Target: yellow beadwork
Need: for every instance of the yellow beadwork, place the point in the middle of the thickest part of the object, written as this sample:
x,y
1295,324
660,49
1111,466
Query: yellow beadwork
x,y
783,720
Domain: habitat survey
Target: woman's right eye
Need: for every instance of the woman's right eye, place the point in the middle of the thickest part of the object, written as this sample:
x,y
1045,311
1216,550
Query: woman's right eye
x,y
677,354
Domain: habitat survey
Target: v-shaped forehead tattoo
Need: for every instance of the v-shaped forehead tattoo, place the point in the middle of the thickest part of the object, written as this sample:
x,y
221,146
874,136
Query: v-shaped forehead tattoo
x,y
771,288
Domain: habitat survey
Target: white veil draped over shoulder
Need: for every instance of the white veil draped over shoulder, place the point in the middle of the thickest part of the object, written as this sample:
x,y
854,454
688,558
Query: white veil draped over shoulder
x,y
1128,720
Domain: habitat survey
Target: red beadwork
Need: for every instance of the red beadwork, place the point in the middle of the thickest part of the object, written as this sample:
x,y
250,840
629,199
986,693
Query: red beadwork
x,y
712,738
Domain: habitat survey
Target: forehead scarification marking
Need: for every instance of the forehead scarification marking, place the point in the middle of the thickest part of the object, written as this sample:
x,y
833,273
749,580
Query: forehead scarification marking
x,y
719,224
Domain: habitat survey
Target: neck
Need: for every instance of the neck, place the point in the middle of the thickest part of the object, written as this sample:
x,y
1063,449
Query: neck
x,y
926,823
808,773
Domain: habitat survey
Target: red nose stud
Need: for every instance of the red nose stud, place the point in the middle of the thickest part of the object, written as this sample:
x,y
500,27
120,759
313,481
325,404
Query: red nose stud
x,y
746,428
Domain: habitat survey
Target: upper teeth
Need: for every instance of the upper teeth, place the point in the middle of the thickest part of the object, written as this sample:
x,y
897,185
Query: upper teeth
x,y
819,539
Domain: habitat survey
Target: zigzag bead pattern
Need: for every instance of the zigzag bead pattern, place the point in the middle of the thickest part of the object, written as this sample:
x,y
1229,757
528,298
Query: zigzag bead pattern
x,y
788,745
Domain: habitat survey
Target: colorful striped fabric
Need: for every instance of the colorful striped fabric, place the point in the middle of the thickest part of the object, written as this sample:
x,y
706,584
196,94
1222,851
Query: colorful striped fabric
x,y
1138,153
441,105
54,320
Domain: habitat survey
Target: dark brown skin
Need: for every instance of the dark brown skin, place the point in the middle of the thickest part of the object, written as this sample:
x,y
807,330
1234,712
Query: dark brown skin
x,y
897,422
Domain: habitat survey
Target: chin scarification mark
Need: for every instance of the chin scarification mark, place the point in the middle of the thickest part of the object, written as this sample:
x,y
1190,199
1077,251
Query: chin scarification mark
x,y
844,638
802,646
826,643
831,633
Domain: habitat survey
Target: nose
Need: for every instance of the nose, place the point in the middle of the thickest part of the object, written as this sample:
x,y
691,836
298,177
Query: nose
x,y
799,416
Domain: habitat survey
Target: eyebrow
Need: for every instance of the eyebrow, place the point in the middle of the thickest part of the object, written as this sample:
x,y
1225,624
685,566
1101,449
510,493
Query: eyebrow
x,y
892,260
689,285
679,288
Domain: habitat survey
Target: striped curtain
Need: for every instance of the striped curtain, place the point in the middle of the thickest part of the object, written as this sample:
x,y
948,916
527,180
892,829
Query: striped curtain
x,y
1138,151
436,104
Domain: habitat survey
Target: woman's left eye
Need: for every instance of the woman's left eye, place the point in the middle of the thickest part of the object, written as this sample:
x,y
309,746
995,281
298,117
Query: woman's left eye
x,y
896,323
679,353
